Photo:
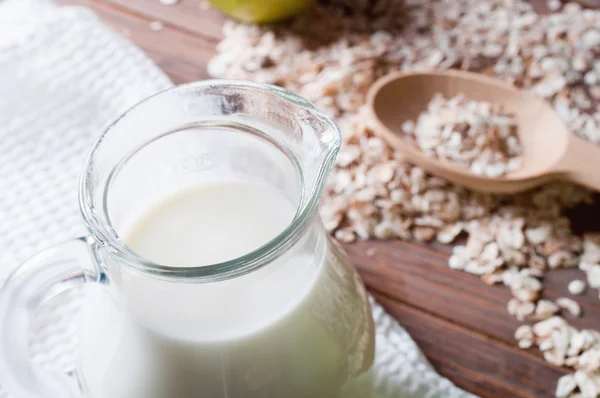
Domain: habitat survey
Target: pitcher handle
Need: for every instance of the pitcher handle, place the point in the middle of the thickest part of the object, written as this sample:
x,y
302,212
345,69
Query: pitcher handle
x,y
34,282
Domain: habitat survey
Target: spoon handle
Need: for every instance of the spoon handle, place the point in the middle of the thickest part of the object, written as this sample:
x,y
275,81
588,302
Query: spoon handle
x,y
581,163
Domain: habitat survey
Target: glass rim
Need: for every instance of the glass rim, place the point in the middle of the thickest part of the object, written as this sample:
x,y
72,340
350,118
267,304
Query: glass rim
x,y
230,268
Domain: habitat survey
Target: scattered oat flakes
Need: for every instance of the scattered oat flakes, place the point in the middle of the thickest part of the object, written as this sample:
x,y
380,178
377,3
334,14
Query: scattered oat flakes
x,y
157,26
586,384
524,310
545,328
566,385
524,332
545,344
589,360
553,357
554,5
512,306
493,278
577,287
545,309
570,305
525,344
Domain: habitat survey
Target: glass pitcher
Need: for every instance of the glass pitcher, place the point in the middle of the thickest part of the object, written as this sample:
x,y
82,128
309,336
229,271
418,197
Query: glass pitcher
x,y
150,330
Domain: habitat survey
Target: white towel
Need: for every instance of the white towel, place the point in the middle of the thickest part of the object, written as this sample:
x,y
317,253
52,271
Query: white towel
x,y
63,77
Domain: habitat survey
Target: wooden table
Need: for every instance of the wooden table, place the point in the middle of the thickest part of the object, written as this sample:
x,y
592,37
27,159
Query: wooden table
x,y
460,324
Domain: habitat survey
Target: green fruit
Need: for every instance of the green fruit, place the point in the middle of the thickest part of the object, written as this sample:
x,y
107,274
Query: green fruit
x,y
261,11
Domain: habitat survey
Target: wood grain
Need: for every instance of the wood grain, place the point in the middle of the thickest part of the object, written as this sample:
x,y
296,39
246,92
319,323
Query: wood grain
x,y
181,55
418,275
460,324
474,362
188,15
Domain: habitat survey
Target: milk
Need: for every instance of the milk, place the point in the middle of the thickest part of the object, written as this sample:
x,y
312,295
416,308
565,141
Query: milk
x,y
297,327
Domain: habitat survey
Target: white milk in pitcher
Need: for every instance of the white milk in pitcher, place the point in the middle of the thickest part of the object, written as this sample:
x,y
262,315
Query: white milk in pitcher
x,y
266,334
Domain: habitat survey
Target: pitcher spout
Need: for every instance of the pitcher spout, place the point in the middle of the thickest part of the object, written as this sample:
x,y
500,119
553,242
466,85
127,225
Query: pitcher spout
x,y
318,146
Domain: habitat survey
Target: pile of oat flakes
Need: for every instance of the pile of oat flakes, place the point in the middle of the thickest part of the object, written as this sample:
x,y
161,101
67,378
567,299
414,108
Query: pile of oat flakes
x,y
332,55
476,134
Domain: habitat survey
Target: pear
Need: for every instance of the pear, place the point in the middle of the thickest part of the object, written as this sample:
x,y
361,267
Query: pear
x,y
261,11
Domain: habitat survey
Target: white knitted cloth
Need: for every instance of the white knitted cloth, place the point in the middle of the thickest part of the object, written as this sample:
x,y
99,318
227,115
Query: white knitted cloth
x,y
63,77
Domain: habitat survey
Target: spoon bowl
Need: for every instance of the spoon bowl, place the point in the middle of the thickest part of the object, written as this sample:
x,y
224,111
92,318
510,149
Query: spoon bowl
x,y
550,150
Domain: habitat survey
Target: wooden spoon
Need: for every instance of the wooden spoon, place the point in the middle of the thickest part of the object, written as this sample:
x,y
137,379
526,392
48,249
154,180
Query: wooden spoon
x,y
550,150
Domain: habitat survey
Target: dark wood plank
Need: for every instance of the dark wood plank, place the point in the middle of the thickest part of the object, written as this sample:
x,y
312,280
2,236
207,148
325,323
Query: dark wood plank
x,y
418,275
181,55
189,15
473,362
